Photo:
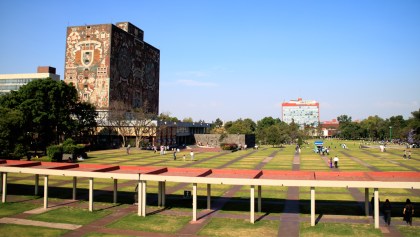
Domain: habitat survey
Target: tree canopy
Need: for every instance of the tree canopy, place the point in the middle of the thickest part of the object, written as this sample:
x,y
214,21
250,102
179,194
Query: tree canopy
x,y
48,111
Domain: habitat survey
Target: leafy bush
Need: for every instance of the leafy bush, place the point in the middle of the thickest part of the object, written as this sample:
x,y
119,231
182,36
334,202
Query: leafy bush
x,y
19,152
68,142
55,152
229,146
70,147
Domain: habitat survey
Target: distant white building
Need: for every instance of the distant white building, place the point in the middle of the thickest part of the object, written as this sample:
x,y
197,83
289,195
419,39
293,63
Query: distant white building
x,y
12,82
302,112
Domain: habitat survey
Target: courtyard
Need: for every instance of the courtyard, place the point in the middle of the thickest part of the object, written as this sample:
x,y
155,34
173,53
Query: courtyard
x,y
284,209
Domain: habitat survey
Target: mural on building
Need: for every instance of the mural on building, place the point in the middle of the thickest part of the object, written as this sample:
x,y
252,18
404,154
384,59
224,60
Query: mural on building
x,y
87,63
112,63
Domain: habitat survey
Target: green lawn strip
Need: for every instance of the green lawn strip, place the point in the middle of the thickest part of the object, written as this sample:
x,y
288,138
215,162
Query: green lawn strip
x,y
266,192
277,167
409,231
29,231
12,208
151,223
70,215
104,235
329,190
335,229
327,196
238,227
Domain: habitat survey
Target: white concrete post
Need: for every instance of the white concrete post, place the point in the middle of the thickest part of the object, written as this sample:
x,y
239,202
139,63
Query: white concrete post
x,y
36,184
144,192
4,187
139,198
163,193
159,193
312,206
208,196
45,191
1,182
74,187
366,201
91,194
252,202
376,211
259,198
194,192
115,190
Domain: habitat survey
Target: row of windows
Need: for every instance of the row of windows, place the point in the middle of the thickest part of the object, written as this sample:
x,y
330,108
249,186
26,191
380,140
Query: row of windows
x,y
16,81
10,87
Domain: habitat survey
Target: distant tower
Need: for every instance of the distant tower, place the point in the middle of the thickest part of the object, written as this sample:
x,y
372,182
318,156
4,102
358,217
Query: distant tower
x,y
109,63
302,112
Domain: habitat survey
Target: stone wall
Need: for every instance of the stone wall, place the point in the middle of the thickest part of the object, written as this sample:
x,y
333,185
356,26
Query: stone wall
x,y
213,140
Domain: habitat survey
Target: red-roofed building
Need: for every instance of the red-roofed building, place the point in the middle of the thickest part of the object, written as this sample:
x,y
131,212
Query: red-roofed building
x,y
329,128
302,112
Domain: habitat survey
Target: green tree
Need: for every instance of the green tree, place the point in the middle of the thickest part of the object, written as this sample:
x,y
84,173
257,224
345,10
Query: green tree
x,y
414,125
398,125
187,120
241,126
50,110
11,131
277,134
166,116
261,128
376,127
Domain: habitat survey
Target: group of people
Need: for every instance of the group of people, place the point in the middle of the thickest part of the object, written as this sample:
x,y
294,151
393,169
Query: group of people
x,y
408,211
183,157
334,161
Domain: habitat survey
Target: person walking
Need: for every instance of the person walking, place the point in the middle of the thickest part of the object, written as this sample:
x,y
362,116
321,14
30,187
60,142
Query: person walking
x,y
336,161
409,155
386,207
128,149
408,212
405,154
192,155
331,162
174,155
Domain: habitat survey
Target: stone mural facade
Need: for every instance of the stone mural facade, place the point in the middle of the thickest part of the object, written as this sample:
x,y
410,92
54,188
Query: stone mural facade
x,y
109,63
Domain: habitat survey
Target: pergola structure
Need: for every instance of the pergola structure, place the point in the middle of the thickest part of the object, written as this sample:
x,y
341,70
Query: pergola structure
x,y
253,178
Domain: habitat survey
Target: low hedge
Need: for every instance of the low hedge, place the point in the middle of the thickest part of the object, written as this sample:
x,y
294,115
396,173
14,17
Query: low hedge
x,y
55,152
229,146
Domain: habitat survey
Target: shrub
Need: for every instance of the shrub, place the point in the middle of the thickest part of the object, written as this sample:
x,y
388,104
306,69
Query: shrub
x,y
229,146
19,152
55,152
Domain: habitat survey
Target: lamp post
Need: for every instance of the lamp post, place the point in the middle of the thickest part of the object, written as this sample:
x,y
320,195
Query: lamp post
x,y
390,133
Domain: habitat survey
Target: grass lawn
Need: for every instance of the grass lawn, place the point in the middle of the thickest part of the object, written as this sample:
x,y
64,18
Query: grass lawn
x,y
70,215
103,235
12,208
409,231
336,229
238,227
152,223
7,230
329,201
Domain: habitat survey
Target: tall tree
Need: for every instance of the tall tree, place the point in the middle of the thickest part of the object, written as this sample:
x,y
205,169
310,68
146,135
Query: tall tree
x,y
11,132
119,118
51,111
414,126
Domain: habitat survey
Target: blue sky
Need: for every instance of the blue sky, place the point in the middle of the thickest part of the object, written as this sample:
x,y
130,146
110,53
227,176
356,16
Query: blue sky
x,y
233,59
